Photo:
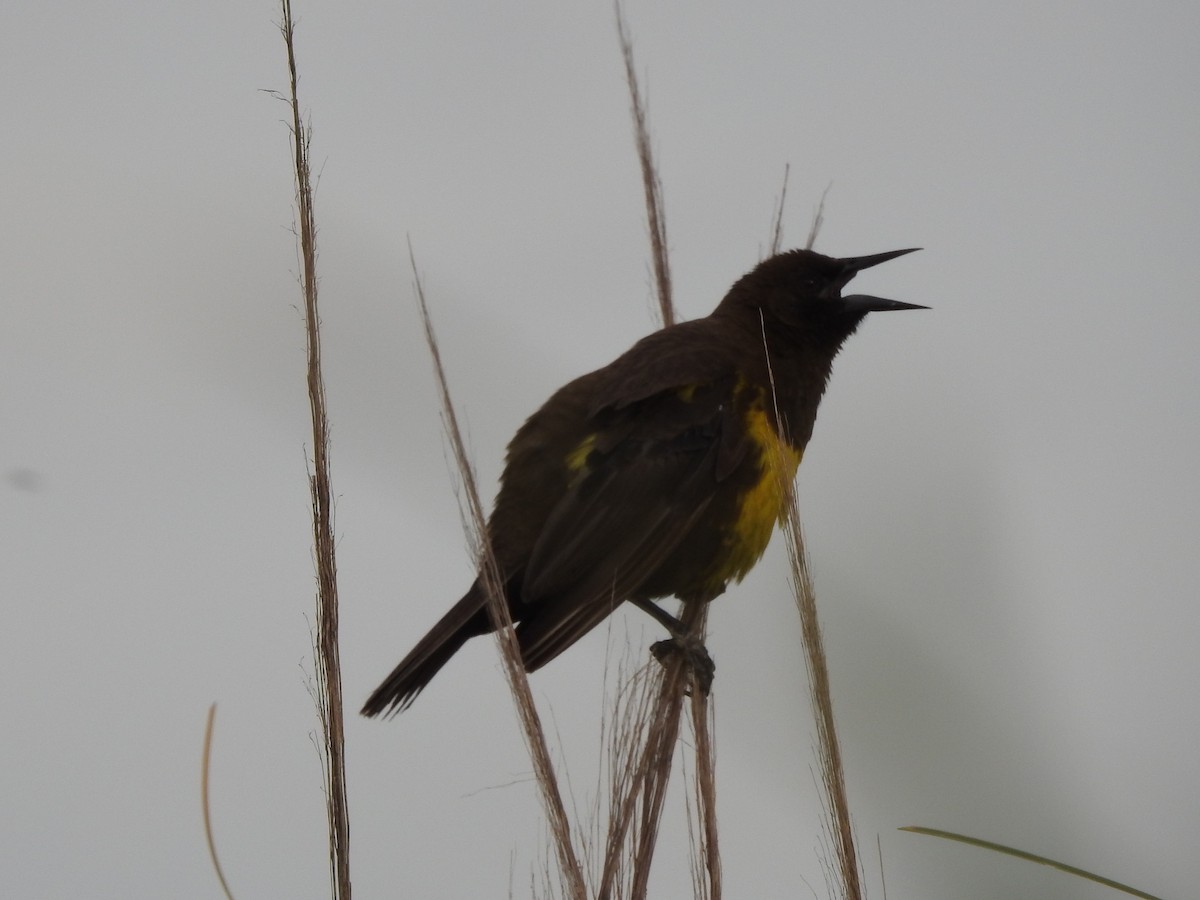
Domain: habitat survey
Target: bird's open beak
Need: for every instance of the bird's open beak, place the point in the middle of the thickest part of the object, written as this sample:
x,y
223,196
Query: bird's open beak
x,y
865,303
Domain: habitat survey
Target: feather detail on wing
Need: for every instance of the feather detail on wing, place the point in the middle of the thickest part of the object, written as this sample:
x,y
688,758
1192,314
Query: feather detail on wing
x,y
644,479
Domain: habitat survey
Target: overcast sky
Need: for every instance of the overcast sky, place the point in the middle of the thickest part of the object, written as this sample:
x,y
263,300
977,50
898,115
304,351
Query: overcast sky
x,y
1001,498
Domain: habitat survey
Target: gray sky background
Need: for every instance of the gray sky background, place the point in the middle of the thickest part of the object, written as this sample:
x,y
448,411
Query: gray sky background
x,y
1001,499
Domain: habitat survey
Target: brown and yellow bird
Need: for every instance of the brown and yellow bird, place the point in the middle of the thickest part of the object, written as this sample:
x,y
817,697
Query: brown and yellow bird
x,y
659,474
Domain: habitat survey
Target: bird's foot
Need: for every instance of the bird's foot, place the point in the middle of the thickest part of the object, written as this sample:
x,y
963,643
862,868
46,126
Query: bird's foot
x,y
695,657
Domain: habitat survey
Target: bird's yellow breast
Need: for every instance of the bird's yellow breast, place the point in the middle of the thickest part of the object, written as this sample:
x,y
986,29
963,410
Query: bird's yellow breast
x,y
762,504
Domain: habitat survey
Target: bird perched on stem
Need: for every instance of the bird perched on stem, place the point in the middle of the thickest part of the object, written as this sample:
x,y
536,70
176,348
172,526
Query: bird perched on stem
x,y
661,474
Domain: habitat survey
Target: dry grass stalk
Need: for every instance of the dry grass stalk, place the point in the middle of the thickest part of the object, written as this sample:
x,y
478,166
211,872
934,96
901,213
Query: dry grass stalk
x,y
708,874
658,735
829,750
205,758
818,219
656,219
328,674
658,751
777,229
622,731
641,755
847,876
571,874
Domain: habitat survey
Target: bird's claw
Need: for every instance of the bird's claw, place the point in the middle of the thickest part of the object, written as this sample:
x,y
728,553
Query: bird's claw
x,y
694,655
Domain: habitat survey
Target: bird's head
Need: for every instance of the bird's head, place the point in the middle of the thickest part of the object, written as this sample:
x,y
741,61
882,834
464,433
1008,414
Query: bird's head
x,y
801,291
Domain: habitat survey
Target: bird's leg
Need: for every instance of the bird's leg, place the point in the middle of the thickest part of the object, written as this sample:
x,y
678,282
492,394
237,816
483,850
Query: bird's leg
x,y
673,625
695,657
681,642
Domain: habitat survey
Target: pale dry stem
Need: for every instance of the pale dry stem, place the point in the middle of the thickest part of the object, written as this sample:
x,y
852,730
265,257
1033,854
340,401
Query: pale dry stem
x,y
777,230
510,652
708,881
656,218
328,674
829,749
849,882
205,760
818,219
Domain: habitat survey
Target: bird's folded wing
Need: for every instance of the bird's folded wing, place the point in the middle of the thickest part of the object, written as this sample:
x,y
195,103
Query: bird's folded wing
x,y
650,477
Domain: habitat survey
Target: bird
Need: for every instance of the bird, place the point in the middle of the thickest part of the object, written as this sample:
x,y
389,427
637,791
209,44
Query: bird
x,y
661,474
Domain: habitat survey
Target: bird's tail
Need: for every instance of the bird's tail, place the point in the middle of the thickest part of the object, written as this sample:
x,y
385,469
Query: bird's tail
x,y
466,619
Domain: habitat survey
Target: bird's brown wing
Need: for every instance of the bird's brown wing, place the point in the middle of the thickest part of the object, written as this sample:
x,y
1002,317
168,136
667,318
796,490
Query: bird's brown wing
x,y
653,469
